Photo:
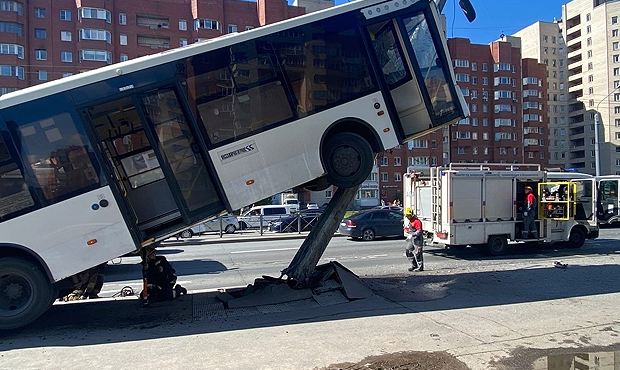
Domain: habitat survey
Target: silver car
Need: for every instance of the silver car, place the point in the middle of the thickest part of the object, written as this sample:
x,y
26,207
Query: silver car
x,y
229,226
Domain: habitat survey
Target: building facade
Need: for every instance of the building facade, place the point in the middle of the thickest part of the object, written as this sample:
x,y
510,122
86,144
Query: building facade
x,y
591,29
45,40
544,42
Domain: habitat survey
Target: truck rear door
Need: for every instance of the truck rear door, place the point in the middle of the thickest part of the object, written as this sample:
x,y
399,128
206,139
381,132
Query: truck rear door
x,y
585,197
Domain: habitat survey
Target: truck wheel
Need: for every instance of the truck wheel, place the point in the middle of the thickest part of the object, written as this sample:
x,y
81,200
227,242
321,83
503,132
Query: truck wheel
x,y
368,235
25,293
348,159
497,245
230,229
577,238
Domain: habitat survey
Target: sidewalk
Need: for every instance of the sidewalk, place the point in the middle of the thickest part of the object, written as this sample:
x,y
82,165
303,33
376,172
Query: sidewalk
x,y
487,318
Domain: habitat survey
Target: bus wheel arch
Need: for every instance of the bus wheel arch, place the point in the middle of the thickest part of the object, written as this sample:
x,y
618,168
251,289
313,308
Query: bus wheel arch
x,y
26,290
348,149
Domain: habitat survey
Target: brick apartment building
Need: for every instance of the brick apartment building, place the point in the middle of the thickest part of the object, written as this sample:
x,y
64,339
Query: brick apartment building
x,y
508,122
45,40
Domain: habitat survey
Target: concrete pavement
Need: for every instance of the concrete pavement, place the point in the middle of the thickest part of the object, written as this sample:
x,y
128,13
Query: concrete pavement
x,y
480,314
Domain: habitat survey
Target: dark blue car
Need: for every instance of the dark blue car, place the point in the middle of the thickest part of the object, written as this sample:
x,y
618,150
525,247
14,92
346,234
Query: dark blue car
x,y
368,225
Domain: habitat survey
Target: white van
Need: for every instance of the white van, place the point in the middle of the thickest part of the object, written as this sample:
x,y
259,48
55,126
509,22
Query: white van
x,y
251,218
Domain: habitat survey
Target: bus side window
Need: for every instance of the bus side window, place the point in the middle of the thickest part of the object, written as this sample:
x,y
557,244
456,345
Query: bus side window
x,y
58,155
14,193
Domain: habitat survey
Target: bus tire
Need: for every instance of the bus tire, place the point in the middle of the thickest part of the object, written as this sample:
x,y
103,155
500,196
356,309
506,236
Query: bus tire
x,y
25,293
497,245
348,159
577,238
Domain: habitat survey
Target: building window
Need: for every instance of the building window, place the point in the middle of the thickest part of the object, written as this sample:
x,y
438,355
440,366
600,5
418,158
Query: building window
x,y
384,177
65,15
207,24
328,193
9,70
614,19
12,49
40,33
590,66
232,28
614,33
485,81
485,67
384,161
616,58
40,54
96,55
65,35
96,34
124,57
123,39
98,13
588,29
397,177
397,161
42,75
182,25
66,56
182,41
11,6
122,18
39,12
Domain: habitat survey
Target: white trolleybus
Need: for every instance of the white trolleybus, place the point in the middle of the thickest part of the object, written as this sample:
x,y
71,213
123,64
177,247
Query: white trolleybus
x,y
100,164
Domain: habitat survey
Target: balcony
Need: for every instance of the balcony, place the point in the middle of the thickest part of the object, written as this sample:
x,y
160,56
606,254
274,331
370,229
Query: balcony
x,y
573,50
152,22
576,119
154,42
573,38
580,154
575,80
577,90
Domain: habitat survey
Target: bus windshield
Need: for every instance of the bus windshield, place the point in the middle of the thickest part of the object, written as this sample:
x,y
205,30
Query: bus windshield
x,y
430,65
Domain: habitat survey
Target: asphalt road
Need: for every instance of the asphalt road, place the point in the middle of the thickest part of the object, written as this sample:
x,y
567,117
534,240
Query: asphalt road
x,y
209,266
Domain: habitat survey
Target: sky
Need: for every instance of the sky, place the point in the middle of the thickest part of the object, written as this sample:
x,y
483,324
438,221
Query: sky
x,y
495,17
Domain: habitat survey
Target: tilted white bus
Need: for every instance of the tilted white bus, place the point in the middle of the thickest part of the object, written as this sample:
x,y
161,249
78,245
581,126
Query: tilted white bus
x,y
99,164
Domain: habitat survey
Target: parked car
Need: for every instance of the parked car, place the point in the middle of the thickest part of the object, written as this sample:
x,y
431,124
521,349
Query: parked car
x,y
251,219
291,223
393,208
368,225
229,226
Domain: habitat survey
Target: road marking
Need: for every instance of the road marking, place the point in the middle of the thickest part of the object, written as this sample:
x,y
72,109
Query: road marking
x,y
265,250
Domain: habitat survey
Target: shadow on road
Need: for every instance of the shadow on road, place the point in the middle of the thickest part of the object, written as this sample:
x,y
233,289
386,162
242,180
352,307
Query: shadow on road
x,y
92,322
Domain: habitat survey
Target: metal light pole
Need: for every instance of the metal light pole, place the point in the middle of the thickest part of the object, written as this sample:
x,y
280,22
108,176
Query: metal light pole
x,y
597,144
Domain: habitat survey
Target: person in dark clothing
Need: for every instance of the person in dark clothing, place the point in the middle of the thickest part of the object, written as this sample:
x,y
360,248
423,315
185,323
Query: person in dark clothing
x,y
530,210
161,279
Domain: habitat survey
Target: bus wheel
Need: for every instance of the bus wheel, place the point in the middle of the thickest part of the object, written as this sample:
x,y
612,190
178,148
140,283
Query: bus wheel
x,y
25,293
348,159
577,238
497,245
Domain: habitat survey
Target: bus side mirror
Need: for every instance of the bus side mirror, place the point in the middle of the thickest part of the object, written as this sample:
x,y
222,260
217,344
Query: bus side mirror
x,y
468,9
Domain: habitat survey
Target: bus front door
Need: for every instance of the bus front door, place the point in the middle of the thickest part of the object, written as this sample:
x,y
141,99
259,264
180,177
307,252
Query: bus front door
x,y
412,54
155,162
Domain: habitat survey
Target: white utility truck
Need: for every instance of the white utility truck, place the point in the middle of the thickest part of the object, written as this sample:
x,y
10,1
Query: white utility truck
x,y
481,204
286,199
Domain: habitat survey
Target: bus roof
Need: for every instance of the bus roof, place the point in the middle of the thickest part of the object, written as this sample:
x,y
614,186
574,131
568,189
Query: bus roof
x,y
137,64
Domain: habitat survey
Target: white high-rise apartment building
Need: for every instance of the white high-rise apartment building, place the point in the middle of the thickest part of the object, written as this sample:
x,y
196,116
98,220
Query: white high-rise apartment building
x,y
591,30
544,42
582,53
